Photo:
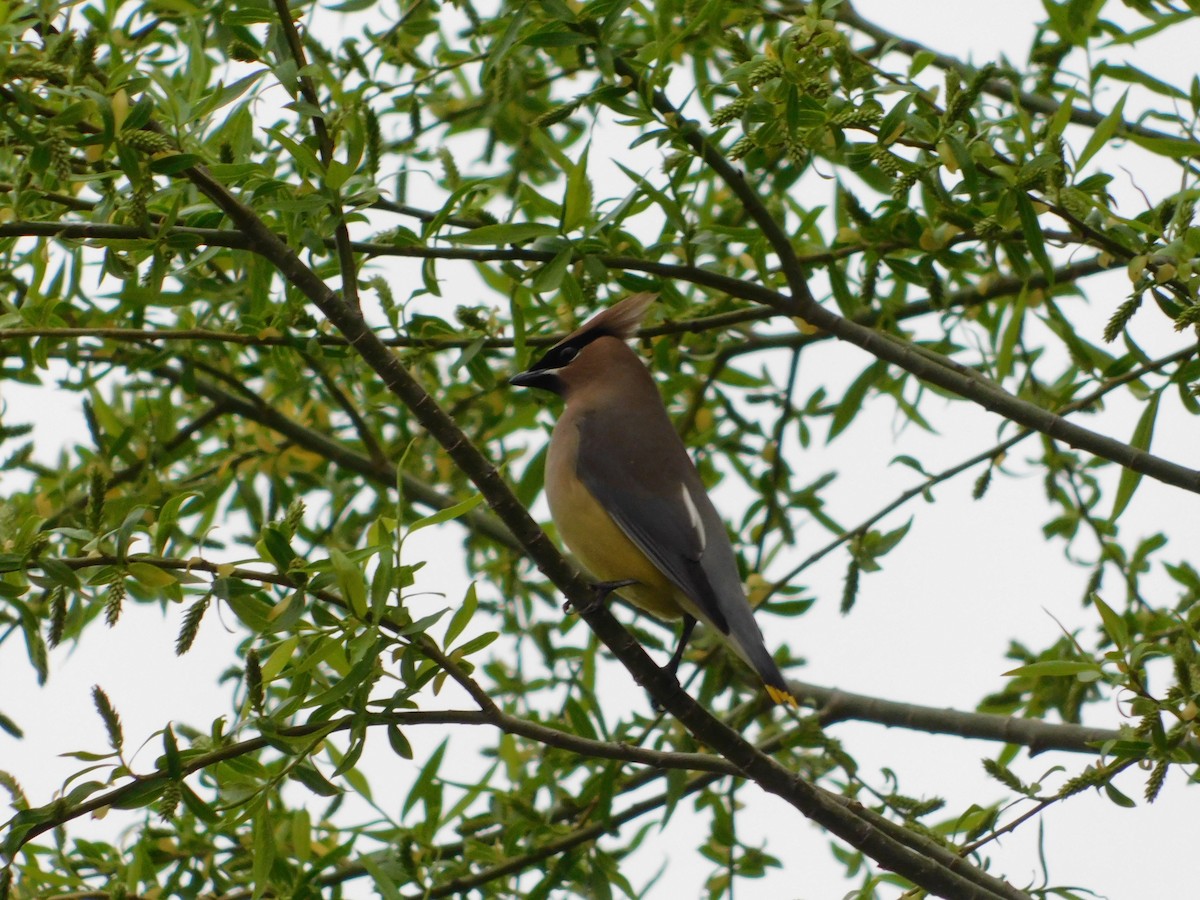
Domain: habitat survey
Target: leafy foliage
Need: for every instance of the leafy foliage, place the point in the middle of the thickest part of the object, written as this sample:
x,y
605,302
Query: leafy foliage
x,y
216,218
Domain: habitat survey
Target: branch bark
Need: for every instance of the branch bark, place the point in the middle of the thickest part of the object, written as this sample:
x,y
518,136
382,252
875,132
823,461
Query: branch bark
x,y
924,364
951,880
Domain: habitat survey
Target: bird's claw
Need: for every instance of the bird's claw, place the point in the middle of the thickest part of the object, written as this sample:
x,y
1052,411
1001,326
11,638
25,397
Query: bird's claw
x,y
600,592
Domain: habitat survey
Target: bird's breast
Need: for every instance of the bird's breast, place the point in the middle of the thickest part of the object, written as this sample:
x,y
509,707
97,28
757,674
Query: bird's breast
x,y
591,534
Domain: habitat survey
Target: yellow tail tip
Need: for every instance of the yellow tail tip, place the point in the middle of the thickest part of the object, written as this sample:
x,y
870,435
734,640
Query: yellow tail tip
x,y
783,697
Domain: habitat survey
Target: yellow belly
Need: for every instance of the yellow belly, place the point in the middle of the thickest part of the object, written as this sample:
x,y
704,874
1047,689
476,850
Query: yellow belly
x,y
598,542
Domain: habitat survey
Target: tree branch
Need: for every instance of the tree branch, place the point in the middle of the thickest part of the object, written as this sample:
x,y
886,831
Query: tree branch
x,y
308,90
379,472
28,824
834,705
991,453
997,87
924,364
963,881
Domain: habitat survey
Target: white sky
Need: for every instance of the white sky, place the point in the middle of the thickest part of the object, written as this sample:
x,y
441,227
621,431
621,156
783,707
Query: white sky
x,y
932,628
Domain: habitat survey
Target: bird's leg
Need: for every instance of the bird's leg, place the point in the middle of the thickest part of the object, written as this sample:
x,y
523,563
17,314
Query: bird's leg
x,y
689,623
600,592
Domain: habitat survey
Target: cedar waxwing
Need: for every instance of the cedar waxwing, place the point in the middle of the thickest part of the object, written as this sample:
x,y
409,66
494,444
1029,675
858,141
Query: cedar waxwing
x,y
626,496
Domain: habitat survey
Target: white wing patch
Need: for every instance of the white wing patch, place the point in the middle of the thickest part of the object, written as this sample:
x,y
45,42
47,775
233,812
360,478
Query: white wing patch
x,y
694,515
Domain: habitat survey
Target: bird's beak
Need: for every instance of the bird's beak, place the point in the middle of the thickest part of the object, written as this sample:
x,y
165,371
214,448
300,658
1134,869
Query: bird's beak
x,y
525,379
542,379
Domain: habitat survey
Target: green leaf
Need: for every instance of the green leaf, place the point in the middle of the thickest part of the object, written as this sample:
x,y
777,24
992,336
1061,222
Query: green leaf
x,y
1158,23
1102,133
132,520
1173,148
475,644
737,378
12,591
263,857
277,547
1117,797
151,576
308,776
423,624
577,199
1134,75
141,795
448,514
279,658
22,823
1054,667
462,615
1033,236
304,156
847,300
920,60
1114,625
852,400
8,726
381,874
247,16
507,233
399,742
171,756
1062,117
175,163
168,516
911,462
58,572
880,544
1143,433
550,275
1012,334
383,581
429,276
425,786
351,581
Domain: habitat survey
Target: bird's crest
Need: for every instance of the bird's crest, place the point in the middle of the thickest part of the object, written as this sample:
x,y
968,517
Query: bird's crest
x,y
621,320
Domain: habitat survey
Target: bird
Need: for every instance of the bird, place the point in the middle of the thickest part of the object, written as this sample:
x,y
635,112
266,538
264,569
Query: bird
x,y
626,497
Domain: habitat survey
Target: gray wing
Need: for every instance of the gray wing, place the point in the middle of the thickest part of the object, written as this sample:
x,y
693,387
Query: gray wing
x,y
642,475
650,487
640,472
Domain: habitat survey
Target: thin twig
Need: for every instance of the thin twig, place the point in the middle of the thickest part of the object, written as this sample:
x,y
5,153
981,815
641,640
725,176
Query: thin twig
x,y
997,87
991,453
325,147
955,880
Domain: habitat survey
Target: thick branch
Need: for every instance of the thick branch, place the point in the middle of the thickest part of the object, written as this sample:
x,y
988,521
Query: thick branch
x,y
963,880
924,364
733,287
841,706
834,705
694,762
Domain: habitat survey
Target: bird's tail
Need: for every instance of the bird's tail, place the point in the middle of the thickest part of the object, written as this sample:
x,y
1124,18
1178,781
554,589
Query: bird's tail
x,y
748,643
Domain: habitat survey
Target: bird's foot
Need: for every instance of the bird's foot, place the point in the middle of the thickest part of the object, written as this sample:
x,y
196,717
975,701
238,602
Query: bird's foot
x,y
600,592
689,623
685,633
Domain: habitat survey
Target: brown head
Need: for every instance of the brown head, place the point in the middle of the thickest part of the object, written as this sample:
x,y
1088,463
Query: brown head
x,y
594,355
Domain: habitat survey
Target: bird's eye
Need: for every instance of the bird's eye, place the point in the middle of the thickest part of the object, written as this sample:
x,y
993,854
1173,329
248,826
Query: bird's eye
x,y
566,354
